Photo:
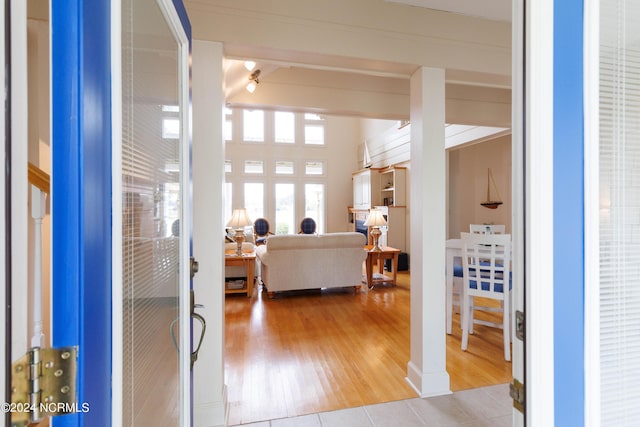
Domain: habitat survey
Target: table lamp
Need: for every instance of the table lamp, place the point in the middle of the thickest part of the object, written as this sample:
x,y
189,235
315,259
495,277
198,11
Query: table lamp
x,y
239,220
375,220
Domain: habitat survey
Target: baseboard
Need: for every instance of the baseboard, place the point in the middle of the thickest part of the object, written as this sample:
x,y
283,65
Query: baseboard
x,y
212,414
429,384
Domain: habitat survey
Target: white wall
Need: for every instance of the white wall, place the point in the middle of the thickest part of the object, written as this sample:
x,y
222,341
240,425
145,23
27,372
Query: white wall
x,y
468,185
343,136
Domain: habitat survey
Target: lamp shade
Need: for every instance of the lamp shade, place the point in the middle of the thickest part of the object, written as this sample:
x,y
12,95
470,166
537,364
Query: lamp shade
x,y
375,219
239,219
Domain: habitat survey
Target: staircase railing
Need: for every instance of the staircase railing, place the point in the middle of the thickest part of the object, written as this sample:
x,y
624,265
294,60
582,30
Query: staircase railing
x,y
40,188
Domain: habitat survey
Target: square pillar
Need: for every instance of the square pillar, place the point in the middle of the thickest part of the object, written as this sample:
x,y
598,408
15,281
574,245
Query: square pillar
x,y
426,371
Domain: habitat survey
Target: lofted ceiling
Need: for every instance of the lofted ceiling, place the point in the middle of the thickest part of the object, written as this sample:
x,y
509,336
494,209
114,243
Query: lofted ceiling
x,y
322,81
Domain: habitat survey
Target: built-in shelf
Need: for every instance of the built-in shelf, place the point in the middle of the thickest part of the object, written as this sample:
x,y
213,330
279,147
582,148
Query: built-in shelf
x,y
393,186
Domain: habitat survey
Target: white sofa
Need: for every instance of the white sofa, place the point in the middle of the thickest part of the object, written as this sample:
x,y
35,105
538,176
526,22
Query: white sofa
x,y
308,261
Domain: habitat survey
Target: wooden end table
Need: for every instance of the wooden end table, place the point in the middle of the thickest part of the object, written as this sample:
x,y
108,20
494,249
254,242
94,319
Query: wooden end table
x,y
373,256
248,260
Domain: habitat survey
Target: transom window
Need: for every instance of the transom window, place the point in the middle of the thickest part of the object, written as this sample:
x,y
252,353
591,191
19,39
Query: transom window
x,y
284,167
253,167
313,167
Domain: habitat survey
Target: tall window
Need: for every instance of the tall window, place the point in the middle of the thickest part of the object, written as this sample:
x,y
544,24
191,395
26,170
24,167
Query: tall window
x,y
313,129
228,201
285,208
253,125
314,204
228,124
254,199
285,127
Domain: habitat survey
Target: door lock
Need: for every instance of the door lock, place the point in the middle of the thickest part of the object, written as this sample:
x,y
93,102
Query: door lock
x,y
193,267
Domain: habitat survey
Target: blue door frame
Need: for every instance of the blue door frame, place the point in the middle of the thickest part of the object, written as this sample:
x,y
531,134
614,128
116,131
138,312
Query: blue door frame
x,y
81,206
568,201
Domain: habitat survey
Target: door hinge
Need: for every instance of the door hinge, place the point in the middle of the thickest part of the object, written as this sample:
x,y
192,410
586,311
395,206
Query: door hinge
x,y
516,391
520,325
43,383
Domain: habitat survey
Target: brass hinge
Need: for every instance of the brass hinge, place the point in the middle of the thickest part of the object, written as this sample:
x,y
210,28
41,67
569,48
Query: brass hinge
x,y
516,391
43,383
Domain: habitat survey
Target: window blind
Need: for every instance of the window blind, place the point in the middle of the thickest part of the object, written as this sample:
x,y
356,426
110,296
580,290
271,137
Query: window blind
x,y
619,213
151,206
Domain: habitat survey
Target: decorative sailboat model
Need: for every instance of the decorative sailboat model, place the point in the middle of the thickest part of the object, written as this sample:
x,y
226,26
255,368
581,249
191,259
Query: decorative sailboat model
x,y
491,204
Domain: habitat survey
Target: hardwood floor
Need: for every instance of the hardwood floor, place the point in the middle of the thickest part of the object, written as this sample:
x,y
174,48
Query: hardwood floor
x,y
308,352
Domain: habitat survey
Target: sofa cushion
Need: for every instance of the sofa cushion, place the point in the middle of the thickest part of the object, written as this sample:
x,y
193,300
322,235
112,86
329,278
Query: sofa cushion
x,y
322,241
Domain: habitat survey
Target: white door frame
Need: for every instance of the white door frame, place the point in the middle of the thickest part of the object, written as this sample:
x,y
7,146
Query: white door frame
x,y
538,212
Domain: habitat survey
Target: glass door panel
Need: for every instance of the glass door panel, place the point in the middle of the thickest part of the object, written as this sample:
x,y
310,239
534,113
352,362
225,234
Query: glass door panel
x,y
153,116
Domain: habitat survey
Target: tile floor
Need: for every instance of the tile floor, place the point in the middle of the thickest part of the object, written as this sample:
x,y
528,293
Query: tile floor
x,y
480,407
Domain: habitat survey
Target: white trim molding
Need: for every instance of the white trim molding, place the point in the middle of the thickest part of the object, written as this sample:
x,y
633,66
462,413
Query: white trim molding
x,y
592,211
539,358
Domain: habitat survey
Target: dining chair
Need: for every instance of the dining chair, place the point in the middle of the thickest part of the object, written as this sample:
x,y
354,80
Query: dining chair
x,y
261,230
487,228
486,260
307,226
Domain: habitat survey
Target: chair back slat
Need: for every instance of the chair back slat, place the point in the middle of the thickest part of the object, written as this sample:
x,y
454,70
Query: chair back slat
x,y
486,260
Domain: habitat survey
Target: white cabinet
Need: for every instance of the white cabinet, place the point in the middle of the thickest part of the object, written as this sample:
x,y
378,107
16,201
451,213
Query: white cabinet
x,y
393,186
366,189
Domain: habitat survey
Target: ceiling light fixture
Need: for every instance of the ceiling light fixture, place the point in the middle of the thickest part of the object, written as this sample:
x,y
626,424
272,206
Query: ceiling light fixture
x,y
253,81
249,65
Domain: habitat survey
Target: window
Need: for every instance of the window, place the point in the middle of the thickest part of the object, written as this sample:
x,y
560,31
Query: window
x,y
285,208
228,200
314,168
314,204
313,129
228,124
285,124
253,125
254,199
284,167
272,173
253,167
170,128
314,134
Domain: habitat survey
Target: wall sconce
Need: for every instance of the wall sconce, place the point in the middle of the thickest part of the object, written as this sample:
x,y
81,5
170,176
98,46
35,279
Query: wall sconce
x,y
253,81
249,65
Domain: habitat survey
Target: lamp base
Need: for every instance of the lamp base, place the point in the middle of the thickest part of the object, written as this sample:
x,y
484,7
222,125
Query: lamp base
x,y
239,237
376,233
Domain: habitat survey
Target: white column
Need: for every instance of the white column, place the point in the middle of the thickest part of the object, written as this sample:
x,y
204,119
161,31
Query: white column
x,y
209,400
426,371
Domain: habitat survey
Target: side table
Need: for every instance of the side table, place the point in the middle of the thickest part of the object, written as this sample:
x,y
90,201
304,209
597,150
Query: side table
x,y
387,252
248,260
